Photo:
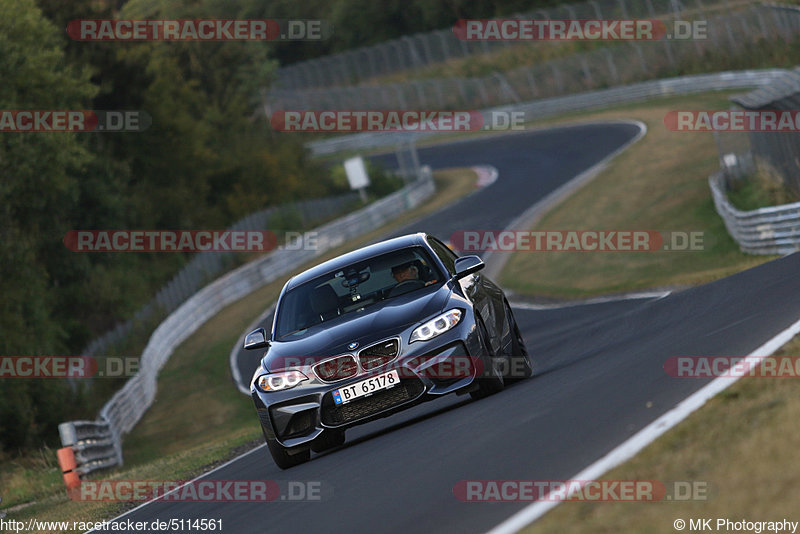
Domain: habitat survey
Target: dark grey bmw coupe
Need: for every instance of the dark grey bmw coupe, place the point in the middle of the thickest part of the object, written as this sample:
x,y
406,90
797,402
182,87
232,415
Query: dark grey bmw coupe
x,y
373,332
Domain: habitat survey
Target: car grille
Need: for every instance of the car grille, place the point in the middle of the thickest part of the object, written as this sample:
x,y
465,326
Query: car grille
x,y
379,401
378,354
337,368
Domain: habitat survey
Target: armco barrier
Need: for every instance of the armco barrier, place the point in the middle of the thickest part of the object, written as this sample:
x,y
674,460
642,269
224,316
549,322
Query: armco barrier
x,y
538,109
92,443
772,230
98,444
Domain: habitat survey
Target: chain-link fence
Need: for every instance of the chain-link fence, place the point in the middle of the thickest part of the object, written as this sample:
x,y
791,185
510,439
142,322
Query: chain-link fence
x,y
776,153
734,32
422,50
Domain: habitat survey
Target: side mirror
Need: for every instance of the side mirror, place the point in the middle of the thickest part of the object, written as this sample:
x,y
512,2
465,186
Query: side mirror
x,y
257,339
467,265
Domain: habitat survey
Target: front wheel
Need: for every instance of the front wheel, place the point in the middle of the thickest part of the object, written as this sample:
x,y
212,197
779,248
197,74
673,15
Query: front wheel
x,y
283,459
492,382
520,361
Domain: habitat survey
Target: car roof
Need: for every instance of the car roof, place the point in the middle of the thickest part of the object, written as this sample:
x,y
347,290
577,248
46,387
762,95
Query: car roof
x,y
363,253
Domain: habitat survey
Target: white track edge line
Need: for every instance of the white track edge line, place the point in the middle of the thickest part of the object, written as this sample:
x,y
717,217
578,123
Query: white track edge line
x,y
198,477
647,435
655,295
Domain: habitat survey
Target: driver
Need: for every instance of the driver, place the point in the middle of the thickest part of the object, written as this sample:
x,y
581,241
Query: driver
x,y
406,271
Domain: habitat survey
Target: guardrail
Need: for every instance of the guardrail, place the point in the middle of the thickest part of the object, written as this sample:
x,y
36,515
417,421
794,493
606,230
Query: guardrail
x,y
98,444
538,109
92,443
772,230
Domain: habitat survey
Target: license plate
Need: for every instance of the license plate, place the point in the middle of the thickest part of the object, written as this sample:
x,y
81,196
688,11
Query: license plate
x,y
366,387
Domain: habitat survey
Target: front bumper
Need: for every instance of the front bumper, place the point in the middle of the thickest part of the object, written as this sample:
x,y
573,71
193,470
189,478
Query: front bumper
x,y
446,364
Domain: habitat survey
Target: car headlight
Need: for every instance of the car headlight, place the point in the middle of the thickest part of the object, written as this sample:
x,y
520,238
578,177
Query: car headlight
x,y
437,325
280,381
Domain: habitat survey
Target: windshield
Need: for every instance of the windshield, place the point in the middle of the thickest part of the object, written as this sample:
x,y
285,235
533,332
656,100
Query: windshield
x,y
354,288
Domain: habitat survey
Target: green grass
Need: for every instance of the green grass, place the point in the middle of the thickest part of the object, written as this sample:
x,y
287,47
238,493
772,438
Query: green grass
x,y
761,189
742,444
660,183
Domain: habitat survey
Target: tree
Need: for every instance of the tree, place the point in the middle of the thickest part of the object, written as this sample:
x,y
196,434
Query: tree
x,y
39,175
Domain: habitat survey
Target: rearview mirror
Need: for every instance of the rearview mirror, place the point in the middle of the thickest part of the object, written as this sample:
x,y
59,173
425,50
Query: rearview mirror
x,y
257,339
467,265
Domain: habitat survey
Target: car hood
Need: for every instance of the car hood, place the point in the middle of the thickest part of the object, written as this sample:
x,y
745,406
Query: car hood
x,y
376,322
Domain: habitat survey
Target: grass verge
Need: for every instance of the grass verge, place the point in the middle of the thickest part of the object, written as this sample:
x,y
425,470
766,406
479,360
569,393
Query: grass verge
x,y
660,183
763,188
741,444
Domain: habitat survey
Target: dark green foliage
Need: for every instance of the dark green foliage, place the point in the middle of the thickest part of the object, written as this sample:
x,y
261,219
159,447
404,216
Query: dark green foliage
x,y
205,162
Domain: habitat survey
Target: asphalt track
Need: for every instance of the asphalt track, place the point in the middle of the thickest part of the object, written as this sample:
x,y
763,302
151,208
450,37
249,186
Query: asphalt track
x,y
600,377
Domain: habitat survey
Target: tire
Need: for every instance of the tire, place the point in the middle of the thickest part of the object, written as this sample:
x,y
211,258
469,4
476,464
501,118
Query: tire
x,y
283,459
328,440
520,366
493,383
